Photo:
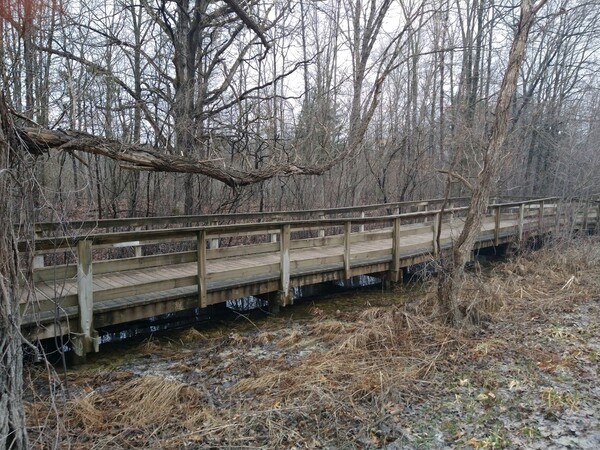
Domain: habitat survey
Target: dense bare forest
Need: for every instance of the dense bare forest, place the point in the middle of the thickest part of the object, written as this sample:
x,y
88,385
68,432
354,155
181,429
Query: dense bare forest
x,y
390,94
228,106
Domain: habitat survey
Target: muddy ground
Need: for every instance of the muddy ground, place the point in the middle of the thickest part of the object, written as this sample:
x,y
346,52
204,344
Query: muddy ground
x,y
369,370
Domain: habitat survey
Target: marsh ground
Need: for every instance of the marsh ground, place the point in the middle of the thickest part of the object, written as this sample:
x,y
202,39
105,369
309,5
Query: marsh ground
x,y
363,370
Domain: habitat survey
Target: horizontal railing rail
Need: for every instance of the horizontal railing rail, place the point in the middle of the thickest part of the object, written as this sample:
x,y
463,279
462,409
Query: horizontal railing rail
x,y
228,217
113,238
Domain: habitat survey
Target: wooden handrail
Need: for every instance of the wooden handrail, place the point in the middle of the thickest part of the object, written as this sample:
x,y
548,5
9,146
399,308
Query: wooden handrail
x,y
185,233
189,233
158,220
524,202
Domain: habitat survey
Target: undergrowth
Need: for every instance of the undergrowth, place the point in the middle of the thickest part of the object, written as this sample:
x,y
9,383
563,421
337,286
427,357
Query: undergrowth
x,y
369,378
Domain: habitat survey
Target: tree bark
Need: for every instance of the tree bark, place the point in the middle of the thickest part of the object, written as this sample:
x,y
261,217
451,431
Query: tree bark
x,y
13,431
138,157
453,270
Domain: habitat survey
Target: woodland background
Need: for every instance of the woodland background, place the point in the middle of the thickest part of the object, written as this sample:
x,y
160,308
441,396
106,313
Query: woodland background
x,y
392,91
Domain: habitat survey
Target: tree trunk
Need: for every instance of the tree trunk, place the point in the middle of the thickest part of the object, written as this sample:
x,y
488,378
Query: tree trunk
x,y
13,434
450,282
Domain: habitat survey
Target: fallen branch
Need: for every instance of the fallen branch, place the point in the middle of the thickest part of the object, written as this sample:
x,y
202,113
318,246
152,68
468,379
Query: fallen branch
x,y
141,157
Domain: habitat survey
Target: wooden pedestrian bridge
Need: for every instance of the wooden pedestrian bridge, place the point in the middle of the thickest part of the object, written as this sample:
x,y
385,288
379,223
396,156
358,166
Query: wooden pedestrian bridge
x,y
93,274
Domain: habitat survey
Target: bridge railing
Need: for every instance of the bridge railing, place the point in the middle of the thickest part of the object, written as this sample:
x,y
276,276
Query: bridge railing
x,y
268,216
542,208
408,233
76,228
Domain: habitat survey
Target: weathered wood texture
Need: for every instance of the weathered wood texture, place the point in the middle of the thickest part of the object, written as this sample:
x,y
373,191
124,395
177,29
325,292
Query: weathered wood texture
x,y
103,292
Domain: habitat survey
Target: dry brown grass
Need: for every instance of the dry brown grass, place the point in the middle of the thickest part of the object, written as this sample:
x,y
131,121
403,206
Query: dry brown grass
x,y
142,402
550,278
326,381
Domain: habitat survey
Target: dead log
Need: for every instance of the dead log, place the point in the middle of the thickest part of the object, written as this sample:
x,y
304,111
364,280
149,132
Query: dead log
x,y
141,157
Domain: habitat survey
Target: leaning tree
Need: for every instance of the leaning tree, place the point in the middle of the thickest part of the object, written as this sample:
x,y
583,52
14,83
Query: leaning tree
x,y
15,208
19,144
452,275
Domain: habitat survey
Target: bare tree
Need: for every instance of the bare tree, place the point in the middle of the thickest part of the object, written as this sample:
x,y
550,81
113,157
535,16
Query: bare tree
x,y
13,209
452,275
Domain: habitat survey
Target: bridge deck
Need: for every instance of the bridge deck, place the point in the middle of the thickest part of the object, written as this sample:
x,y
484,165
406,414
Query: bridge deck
x,y
108,292
230,272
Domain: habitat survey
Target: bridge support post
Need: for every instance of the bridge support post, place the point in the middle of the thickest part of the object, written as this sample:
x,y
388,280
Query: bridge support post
x,y
284,295
201,250
391,279
347,247
87,339
585,216
395,272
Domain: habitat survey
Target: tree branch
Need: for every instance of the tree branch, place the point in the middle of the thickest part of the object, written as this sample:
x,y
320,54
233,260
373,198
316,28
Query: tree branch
x,y
457,176
139,157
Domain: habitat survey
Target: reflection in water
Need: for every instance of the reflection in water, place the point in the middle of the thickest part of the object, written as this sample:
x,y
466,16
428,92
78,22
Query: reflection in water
x,y
197,316
225,312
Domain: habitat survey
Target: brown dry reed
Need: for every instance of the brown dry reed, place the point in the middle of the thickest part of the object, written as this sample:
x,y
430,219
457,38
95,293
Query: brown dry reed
x,y
329,380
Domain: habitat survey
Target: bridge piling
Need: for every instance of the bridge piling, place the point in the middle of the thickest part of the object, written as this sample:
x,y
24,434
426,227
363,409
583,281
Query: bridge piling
x,y
284,297
201,252
86,340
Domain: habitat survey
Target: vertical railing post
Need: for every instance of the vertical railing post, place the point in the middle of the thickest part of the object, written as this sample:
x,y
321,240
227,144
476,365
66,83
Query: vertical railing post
x,y
38,260
422,207
87,339
201,249
557,212
573,218
138,248
273,236
521,221
437,223
541,218
322,230
395,272
361,227
347,246
213,243
585,216
497,225
284,269
597,231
